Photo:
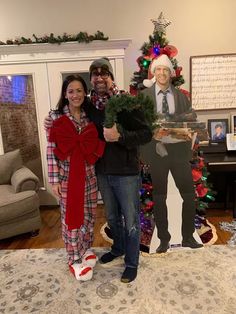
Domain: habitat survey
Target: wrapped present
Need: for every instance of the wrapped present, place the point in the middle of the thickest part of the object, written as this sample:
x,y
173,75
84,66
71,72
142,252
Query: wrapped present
x,y
182,130
163,134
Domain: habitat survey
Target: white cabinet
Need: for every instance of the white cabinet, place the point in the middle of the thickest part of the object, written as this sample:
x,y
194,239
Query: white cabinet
x,y
46,64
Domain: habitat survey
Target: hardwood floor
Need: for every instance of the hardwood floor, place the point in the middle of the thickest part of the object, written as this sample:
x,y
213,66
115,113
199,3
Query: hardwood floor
x,y
50,232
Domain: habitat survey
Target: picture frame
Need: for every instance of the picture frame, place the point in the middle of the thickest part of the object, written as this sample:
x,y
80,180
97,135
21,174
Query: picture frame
x,y
207,89
217,129
233,123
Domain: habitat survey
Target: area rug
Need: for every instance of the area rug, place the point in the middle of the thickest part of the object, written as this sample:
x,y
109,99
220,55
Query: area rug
x,y
183,281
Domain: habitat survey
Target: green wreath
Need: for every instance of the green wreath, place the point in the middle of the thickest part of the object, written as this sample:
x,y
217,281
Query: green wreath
x,y
129,103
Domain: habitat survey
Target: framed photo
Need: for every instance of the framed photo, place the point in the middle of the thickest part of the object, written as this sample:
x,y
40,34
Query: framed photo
x,y
233,123
217,129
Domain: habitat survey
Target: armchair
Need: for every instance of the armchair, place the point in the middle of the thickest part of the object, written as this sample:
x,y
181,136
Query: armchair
x,y
19,201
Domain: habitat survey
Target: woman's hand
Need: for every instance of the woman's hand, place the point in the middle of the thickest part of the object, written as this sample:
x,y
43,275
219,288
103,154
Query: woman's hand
x,y
47,123
56,188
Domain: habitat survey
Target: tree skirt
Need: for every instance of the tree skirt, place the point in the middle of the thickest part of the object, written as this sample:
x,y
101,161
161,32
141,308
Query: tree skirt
x,y
206,231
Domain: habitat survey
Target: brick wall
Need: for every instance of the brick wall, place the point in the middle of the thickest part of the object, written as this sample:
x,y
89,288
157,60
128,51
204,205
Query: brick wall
x,y
18,119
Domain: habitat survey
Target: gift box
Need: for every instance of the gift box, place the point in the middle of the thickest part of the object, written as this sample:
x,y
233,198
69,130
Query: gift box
x,y
183,130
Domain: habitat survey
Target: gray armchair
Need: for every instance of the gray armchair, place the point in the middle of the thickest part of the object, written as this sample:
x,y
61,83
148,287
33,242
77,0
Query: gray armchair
x,y
19,201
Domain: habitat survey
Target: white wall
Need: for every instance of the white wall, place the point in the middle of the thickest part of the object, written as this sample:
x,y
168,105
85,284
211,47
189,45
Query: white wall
x,y
197,27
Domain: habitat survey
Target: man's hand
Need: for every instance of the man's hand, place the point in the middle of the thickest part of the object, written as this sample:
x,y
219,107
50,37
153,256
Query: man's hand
x,y
56,188
47,123
111,134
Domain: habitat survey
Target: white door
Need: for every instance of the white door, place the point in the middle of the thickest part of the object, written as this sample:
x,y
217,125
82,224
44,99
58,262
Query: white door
x,y
24,88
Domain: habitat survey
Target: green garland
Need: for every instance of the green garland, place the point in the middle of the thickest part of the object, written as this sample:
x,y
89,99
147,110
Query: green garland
x,y
127,102
81,37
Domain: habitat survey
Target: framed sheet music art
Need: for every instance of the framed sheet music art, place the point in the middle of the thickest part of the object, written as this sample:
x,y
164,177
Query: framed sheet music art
x,y
213,81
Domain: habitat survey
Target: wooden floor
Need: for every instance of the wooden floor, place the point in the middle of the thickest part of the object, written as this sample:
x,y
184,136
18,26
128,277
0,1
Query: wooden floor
x,y
50,232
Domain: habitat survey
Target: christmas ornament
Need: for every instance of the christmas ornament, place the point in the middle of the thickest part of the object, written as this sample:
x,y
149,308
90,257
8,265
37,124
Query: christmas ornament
x,y
178,71
196,175
184,91
170,51
156,50
146,62
201,190
153,52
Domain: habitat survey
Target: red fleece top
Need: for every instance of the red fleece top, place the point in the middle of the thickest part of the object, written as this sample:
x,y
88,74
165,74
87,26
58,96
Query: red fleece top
x,y
81,147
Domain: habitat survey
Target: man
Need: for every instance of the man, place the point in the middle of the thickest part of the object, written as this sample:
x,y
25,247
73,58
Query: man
x,y
173,155
118,171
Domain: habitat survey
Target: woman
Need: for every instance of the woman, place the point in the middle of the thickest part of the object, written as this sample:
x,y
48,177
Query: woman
x,y
73,148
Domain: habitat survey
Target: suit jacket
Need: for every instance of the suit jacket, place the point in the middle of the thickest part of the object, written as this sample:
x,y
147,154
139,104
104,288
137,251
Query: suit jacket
x,y
183,109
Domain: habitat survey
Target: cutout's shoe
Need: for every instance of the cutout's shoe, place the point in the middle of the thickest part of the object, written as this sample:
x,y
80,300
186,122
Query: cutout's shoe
x,y
81,272
163,247
192,243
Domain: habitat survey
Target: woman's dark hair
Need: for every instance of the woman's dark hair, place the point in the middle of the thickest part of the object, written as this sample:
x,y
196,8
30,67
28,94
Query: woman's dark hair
x,y
64,101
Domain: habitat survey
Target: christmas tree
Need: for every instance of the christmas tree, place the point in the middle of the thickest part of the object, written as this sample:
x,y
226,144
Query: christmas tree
x,y
146,209
203,195
156,46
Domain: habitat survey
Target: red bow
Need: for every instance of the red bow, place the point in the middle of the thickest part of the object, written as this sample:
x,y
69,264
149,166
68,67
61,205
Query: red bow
x,y
81,147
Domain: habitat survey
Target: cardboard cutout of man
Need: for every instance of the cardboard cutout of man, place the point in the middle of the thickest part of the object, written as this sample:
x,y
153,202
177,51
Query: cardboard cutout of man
x,y
172,155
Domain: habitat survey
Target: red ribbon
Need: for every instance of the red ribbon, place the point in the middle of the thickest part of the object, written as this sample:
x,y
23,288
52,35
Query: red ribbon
x,y
81,147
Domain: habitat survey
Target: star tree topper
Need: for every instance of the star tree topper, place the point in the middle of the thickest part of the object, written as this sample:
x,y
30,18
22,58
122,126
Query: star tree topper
x,y
160,24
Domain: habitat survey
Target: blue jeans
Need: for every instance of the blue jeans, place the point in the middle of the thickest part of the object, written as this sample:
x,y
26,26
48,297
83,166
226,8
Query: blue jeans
x,y
120,195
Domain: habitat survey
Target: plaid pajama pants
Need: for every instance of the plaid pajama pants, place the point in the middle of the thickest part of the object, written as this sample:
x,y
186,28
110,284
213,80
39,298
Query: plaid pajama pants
x,y
78,241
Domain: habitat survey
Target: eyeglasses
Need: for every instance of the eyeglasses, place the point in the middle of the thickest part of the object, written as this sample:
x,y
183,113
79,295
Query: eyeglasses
x,y
103,74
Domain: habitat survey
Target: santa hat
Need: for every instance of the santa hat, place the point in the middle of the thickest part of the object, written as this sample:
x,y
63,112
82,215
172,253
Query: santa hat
x,y
163,60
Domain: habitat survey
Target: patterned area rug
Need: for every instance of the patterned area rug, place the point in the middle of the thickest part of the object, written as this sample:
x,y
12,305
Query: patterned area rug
x,y
183,281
